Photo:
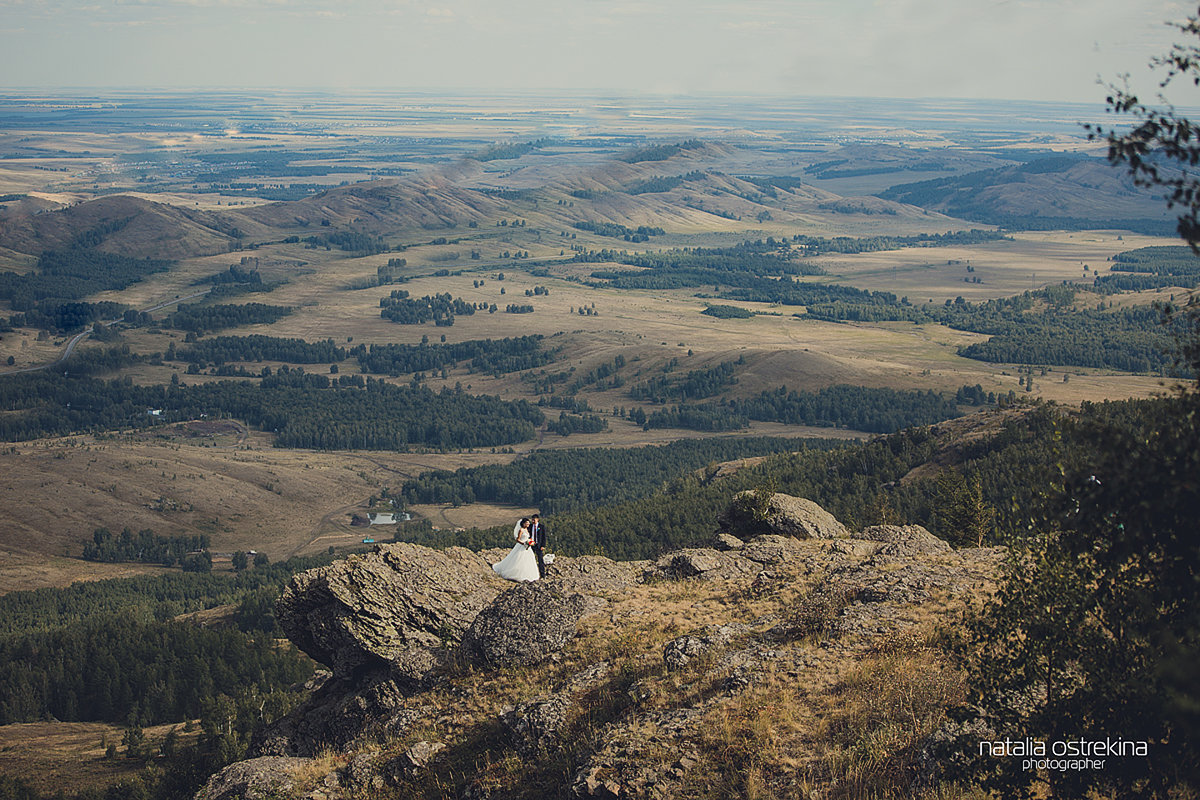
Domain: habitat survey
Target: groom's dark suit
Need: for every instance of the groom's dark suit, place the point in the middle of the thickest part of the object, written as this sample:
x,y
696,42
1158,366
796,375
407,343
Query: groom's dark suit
x,y
539,545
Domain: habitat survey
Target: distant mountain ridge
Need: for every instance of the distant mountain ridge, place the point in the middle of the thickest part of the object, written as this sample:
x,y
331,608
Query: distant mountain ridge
x,y
1067,191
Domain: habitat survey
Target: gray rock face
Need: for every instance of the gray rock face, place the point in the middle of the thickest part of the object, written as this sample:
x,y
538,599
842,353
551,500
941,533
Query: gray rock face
x,y
753,513
679,652
905,540
689,563
536,727
398,604
256,779
339,715
524,626
725,541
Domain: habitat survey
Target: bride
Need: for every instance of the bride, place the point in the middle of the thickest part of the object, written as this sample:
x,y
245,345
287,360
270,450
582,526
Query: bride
x,y
520,564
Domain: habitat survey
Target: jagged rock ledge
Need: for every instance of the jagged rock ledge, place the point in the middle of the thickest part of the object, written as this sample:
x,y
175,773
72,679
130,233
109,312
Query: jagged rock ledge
x,y
397,622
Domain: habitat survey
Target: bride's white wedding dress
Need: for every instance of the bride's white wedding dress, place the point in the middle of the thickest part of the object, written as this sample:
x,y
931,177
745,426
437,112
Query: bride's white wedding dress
x,y
520,564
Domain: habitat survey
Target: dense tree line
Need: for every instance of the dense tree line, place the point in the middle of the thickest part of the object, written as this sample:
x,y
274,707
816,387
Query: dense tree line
x,y
74,274
1040,327
119,670
146,598
257,347
1152,268
559,480
440,309
858,483
856,407
66,316
237,273
664,183
348,241
875,410
144,546
493,356
758,258
501,152
641,233
822,245
696,417
302,410
566,424
695,385
199,318
727,312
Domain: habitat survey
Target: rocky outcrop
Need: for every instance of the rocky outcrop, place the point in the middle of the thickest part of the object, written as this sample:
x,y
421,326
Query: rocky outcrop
x,y
523,626
340,715
904,540
409,631
534,728
397,606
755,512
679,652
257,779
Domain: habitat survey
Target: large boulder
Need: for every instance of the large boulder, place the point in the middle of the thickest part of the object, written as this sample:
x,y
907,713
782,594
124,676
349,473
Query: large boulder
x,y
397,606
754,512
524,626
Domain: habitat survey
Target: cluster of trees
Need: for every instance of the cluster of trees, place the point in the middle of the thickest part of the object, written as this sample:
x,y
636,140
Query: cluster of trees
x,y
757,258
562,480
857,483
876,410
348,241
302,410
641,233
664,183
144,546
705,417
73,274
237,273
727,312
695,385
109,651
566,424
1152,268
1132,339
439,309
1038,327
257,347
390,272
200,319
518,308
66,316
661,152
856,407
601,377
821,245
493,356
500,152
117,669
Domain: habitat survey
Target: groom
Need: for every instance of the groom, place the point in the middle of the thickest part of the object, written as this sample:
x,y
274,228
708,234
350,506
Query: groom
x,y
538,531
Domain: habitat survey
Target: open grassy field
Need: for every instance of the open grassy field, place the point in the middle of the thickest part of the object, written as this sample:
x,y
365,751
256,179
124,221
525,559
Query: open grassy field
x,y
68,756
243,493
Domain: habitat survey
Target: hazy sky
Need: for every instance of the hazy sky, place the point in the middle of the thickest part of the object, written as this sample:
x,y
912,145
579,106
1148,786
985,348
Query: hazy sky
x,y
1019,49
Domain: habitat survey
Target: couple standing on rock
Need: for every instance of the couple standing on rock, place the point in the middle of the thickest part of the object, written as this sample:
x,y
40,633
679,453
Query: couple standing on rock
x,y
526,561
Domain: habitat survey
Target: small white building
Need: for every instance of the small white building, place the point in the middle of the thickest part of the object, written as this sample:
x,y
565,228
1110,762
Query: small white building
x,y
382,517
